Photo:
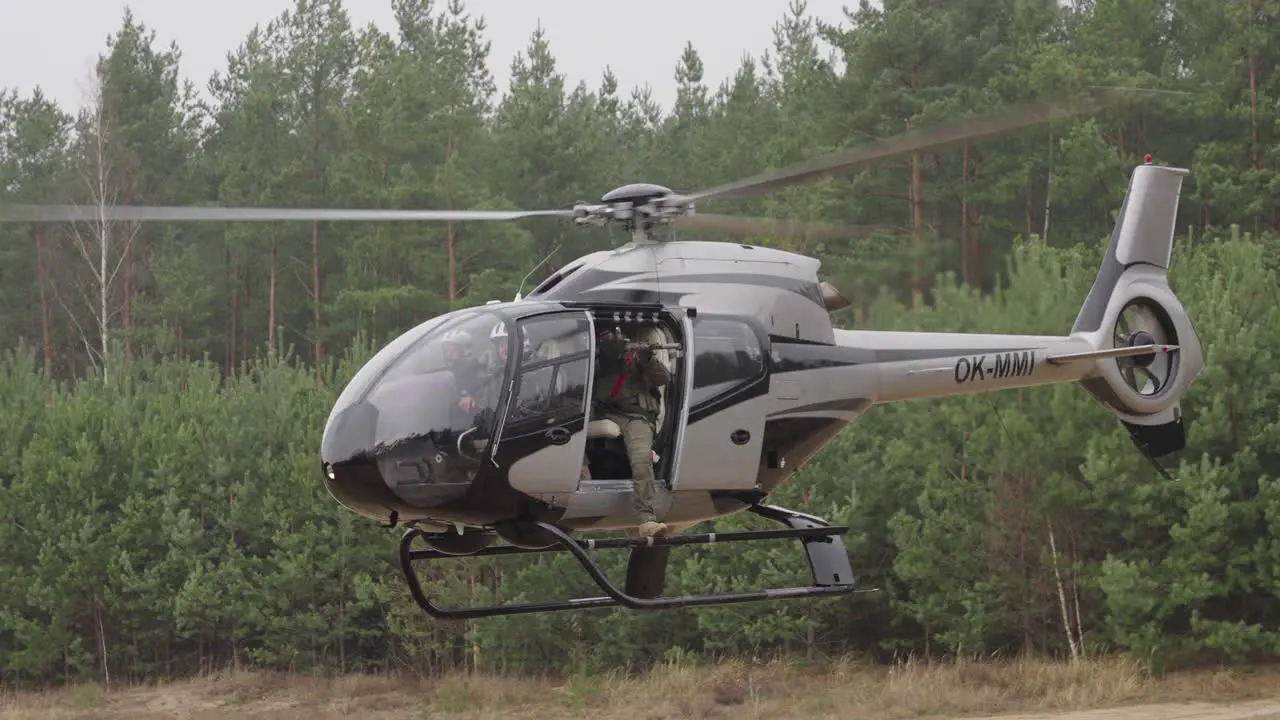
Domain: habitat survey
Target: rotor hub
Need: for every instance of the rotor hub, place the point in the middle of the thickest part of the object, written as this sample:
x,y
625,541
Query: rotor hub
x,y
637,205
1142,337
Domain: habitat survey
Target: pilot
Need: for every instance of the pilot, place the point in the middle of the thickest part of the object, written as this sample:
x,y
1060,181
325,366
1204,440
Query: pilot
x,y
465,366
627,392
502,348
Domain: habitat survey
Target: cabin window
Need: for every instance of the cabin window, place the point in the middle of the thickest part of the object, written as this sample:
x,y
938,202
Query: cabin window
x,y
727,355
551,391
555,359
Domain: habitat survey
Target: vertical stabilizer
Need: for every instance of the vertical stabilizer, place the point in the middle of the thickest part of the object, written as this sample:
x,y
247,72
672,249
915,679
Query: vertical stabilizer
x,y
1130,305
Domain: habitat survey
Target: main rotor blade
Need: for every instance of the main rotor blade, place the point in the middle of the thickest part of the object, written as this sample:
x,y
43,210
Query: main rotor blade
x,y
117,213
771,227
918,141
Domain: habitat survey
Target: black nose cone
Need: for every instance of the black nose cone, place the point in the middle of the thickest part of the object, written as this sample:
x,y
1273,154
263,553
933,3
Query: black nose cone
x,y
351,473
398,449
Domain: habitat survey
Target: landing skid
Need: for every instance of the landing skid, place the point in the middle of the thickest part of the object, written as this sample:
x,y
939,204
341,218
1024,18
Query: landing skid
x,y
646,571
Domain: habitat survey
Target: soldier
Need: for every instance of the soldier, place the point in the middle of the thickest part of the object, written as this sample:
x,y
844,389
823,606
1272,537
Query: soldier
x,y
626,392
465,366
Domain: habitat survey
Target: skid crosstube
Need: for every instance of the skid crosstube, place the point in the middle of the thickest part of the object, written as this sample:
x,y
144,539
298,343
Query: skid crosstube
x,y
832,572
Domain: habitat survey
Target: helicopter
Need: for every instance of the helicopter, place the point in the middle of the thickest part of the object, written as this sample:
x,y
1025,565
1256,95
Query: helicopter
x,y
761,379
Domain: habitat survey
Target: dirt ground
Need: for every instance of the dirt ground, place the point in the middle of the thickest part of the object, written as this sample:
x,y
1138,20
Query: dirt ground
x,y
1110,689
1262,710
1257,710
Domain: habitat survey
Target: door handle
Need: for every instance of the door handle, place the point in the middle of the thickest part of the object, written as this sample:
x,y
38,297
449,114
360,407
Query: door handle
x,y
557,436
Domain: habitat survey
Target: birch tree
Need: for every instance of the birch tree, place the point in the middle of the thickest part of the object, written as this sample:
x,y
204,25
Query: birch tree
x,y
102,243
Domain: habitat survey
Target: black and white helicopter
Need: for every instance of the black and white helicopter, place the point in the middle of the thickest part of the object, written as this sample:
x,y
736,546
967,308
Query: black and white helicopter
x,y
762,381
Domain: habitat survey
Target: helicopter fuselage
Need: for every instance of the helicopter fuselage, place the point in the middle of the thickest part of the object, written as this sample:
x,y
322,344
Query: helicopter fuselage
x,y
761,381
737,419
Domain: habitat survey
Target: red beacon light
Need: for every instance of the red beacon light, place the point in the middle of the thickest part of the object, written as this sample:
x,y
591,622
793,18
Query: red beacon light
x,y
1147,159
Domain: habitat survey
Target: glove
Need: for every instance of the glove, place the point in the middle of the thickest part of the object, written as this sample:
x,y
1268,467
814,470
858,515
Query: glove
x,y
611,350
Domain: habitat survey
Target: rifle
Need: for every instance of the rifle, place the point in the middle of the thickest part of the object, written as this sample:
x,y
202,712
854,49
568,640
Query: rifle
x,y
676,349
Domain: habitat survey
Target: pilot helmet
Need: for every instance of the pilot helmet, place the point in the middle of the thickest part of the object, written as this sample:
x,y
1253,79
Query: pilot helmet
x,y
455,345
499,337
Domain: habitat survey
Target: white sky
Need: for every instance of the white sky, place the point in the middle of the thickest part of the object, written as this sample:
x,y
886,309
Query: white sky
x,y
53,43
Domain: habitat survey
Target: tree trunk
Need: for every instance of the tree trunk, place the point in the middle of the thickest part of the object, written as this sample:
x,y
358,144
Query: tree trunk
x,y
451,238
964,215
315,294
245,289
44,304
101,631
127,321
233,308
102,299
1027,210
271,295
453,264
917,228
1253,92
1048,187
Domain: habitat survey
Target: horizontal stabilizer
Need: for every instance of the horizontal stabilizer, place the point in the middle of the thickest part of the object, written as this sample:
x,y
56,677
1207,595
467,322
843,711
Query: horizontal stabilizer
x,y
1110,353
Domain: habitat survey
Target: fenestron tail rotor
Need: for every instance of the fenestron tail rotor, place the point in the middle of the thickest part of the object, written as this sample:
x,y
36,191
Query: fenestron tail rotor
x,y
1140,325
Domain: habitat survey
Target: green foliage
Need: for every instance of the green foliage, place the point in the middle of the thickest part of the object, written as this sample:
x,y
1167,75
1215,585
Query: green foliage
x,y
179,522
161,511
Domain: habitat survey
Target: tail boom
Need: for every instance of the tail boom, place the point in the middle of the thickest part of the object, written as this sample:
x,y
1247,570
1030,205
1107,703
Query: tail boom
x,y
1132,348
912,366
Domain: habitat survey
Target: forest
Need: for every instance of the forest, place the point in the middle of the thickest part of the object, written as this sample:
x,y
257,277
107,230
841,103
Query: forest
x,y
163,386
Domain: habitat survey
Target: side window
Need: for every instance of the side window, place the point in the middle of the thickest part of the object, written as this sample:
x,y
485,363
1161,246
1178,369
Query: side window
x,y
554,337
551,391
554,362
726,355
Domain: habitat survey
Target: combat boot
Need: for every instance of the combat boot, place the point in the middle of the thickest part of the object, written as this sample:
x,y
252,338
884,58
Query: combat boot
x,y
652,528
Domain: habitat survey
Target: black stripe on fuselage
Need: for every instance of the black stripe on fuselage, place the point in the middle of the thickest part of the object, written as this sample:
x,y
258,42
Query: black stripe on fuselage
x,y
588,284
842,405
791,355
804,288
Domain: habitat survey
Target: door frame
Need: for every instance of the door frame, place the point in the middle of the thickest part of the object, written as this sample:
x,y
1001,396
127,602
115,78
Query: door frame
x,y
517,368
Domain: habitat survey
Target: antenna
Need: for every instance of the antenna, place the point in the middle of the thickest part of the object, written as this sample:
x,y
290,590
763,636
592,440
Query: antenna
x,y
520,290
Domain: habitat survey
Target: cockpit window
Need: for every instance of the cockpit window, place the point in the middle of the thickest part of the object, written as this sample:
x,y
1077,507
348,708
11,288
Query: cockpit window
x,y
475,344
436,387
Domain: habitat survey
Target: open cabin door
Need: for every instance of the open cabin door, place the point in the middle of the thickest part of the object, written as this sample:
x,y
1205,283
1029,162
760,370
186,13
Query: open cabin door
x,y
727,402
542,434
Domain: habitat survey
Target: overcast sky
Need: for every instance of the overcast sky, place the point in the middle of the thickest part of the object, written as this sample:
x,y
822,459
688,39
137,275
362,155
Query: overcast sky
x,y
53,43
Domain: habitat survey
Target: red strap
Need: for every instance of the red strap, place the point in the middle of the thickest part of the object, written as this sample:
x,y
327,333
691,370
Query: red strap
x,y
617,386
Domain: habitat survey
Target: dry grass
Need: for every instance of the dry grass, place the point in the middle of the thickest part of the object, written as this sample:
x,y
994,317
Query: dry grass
x,y
731,690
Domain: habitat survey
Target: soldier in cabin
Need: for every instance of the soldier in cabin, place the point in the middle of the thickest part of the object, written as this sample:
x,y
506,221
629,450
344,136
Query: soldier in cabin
x,y
627,392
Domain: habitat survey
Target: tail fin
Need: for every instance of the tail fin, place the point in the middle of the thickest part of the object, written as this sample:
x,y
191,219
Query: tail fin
x,y
1131,304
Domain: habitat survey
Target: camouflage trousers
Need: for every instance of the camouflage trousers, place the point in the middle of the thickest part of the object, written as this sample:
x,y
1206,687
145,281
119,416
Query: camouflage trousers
x,y
637,435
